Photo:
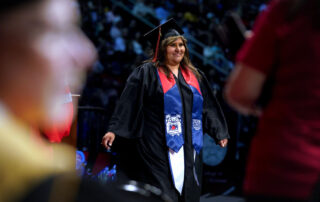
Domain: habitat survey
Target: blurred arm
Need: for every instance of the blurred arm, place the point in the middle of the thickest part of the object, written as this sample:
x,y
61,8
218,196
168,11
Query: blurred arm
x,y
243,89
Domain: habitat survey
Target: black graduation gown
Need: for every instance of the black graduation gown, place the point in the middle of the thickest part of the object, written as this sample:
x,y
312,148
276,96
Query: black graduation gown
x,y
139,116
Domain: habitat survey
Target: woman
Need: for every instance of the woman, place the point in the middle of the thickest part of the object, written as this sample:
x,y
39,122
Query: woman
x,y
284,161
165,107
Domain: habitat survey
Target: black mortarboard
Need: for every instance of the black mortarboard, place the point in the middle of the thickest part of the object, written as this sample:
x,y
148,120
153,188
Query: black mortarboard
x,y
163,31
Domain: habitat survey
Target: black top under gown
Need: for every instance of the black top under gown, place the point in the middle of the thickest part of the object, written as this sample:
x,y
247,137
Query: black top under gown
x,y
138,122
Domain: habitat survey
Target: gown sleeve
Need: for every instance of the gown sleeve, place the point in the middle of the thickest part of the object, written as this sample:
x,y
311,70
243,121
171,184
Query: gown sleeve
x,y
214,123
127,118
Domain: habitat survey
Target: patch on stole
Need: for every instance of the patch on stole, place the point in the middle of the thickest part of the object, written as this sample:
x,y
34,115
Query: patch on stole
x,y
196,124
173,124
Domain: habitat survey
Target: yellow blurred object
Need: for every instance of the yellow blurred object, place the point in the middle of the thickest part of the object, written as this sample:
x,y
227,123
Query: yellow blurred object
x,y
24,160
190,17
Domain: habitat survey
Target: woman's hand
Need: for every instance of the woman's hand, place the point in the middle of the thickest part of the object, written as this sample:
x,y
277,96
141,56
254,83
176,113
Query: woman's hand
x,y
223,143
108,139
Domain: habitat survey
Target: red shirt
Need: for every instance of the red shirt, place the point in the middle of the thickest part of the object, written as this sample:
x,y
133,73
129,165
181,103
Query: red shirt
x,y
284,158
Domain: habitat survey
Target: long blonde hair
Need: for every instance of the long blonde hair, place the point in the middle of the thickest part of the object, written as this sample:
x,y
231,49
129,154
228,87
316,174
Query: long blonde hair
x,y
185,63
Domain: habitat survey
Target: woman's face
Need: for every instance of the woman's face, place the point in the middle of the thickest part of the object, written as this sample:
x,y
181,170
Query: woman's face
x,y
42,50
175,52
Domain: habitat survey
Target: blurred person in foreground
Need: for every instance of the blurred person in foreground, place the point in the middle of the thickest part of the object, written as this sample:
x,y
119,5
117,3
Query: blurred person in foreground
x,y
41,45
284,158
164,109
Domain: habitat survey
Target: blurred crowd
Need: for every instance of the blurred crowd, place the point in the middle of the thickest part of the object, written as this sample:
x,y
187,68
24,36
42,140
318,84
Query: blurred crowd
x,y
116,28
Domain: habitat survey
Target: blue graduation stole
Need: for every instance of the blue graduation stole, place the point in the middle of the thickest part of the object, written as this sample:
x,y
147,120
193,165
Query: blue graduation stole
x,y
173,112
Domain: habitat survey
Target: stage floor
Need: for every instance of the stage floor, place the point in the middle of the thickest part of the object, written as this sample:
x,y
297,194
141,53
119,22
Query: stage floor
x,y
210,198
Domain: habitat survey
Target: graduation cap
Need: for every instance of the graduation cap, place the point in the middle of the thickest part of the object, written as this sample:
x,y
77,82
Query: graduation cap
x,y
163,31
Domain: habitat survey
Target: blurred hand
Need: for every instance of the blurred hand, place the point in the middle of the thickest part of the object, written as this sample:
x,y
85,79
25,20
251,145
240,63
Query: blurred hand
x,y
223,143
108,139
248,34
